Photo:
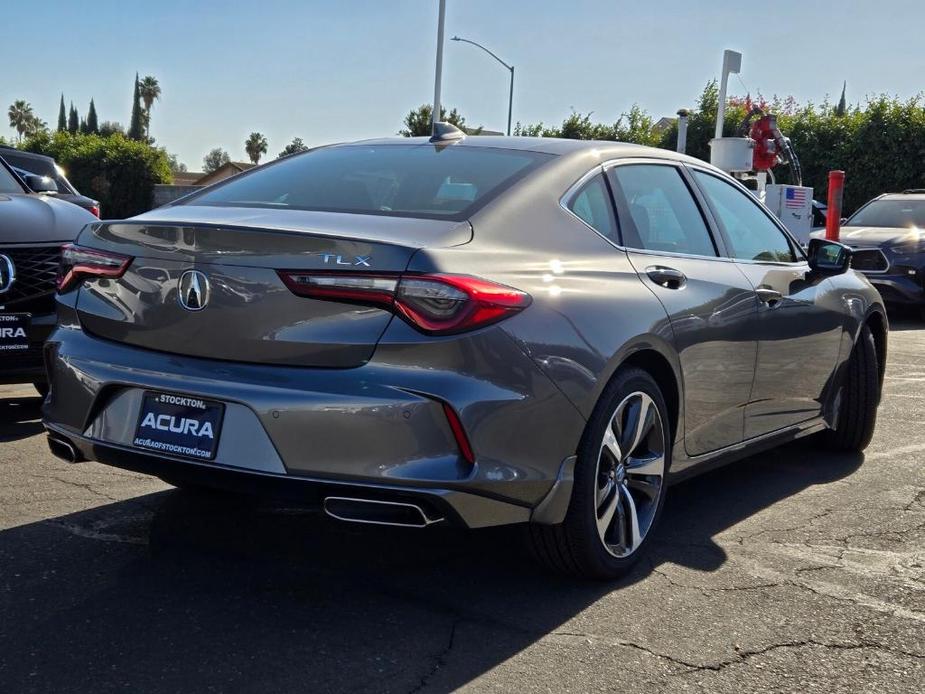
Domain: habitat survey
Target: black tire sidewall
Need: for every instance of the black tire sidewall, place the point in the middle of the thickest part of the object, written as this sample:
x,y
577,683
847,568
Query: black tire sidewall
x,y
581,517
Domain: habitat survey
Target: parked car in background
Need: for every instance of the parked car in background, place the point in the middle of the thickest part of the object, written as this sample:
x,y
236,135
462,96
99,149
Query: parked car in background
x,y
27,164
475,331
887,236
32,230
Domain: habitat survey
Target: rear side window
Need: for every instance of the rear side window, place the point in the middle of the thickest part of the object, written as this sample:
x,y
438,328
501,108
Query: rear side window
x,y
448,182
751,233
593,205
664,215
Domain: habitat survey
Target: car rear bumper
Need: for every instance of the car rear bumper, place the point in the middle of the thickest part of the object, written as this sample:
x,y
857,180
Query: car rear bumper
x,y
380,429
28,366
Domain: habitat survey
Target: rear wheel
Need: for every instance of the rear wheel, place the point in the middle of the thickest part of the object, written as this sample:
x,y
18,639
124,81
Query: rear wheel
x,y
619,487
42,388
860,396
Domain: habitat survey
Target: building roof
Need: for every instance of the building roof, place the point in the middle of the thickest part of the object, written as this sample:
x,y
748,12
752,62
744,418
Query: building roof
x,y
226,170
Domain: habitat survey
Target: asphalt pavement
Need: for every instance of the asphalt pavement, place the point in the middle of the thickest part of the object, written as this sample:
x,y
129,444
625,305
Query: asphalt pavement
x,y
792,571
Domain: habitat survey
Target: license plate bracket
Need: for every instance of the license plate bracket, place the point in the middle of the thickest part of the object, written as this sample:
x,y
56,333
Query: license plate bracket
x,y
14,331
182,425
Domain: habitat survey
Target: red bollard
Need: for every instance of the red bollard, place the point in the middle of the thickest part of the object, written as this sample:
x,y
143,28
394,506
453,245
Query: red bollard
x,y
833,213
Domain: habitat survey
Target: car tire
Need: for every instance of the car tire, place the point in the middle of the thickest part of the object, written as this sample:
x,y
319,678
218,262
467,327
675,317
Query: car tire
x,y
579,546
860,396
42,388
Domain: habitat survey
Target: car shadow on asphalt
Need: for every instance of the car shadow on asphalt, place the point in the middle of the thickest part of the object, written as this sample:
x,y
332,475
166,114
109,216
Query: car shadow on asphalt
x,y
180,591
20,418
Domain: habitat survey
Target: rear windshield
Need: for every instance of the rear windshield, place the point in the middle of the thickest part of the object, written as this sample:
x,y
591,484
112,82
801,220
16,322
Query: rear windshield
x,y
448,182
891,213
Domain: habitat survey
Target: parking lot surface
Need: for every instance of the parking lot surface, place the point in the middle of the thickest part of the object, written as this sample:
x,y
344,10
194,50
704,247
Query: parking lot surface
x,y
796,570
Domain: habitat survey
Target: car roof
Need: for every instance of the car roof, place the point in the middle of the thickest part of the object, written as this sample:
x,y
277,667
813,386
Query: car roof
x,y
915,194
22,153
547,145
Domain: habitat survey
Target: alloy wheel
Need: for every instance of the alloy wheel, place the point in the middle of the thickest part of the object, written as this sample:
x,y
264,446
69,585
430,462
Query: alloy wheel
x,y
630,474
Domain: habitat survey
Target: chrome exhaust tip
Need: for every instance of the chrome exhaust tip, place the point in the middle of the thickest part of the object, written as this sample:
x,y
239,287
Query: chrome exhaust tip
x,y
377,512
64,450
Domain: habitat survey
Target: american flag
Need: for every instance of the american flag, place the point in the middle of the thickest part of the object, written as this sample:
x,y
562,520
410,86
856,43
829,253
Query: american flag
x,y
796,197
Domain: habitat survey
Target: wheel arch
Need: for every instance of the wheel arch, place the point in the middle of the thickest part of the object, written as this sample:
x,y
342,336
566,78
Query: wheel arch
x,y
879,327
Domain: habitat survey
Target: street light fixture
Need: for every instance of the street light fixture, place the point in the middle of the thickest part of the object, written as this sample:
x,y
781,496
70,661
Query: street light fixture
x,y
510,101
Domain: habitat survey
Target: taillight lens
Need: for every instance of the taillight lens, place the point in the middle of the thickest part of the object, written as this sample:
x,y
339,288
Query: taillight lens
x,y
95,211
434,304
79,263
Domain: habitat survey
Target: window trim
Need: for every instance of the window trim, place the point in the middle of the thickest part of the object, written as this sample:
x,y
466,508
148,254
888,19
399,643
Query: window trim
x,y
603,167
794,245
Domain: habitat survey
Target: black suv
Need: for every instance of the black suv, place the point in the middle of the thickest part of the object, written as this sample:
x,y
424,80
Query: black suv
x,y
28,165
888,238
32,230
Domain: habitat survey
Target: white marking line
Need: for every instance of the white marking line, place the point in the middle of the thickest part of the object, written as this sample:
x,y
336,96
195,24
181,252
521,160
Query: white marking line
x,y
893,452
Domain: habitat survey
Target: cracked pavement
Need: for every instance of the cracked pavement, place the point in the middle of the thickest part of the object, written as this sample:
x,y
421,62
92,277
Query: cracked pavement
x,y
792,571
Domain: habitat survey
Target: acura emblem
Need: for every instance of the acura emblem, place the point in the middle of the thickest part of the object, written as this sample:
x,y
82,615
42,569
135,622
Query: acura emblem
x,y
193,290
7,273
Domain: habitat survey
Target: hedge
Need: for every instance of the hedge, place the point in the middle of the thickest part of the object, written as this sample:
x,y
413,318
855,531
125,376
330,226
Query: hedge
x,y
880,145
119,172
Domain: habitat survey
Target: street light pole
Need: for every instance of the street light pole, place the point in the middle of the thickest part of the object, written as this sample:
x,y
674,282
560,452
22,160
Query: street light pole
x,y
510,100
438,76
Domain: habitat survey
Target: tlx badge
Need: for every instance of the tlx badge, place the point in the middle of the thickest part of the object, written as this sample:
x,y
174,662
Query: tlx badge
x,y
335,259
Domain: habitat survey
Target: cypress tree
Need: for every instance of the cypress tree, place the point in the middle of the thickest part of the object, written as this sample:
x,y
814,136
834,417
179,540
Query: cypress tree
x,y
73,121
136,128
842,104
93,125
62,117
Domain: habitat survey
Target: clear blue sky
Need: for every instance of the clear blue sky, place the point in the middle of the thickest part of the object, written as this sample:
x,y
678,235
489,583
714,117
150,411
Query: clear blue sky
x,y
340,70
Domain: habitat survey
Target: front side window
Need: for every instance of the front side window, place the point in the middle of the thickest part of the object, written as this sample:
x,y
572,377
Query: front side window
x,y
592,204
751,233
664,215
425,181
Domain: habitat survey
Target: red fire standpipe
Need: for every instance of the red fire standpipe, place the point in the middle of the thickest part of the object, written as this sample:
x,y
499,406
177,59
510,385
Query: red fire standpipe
x,y
833,213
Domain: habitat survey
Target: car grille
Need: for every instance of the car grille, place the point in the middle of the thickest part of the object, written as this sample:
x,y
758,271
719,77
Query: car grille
x,y
36,273
869,260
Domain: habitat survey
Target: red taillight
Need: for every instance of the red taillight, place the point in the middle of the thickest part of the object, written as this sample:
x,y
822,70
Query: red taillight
x,y
95,211
79,263
462,441
434,304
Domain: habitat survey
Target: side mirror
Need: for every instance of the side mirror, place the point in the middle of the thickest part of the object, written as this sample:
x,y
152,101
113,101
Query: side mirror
x,y
828,257
41,184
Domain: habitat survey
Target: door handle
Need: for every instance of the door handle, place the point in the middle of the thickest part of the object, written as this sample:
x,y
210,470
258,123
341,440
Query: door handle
x,y
769,297
666,277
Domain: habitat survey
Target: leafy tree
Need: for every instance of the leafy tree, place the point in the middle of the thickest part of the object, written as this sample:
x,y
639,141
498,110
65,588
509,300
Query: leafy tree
x,y
842,104
255,146
215,160
293,147
21,117
108,127
73,121
136,129
83,127
92,123
62,116
150,91
417,122
176,166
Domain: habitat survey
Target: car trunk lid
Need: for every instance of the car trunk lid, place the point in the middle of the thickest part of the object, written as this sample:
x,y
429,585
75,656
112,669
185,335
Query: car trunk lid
x,y
249,315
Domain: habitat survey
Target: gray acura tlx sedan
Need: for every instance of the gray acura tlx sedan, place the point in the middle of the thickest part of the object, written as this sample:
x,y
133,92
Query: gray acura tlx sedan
x,y
477,331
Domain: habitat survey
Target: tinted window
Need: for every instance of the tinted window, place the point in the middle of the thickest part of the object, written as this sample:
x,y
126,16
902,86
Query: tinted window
x,y
664,215
398,180
891,213
749,229
8,184
592,203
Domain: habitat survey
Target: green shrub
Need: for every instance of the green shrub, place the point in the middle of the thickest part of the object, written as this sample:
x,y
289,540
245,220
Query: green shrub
x,y
119,172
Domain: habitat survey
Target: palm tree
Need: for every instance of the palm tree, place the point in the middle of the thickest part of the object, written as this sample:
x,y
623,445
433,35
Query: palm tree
x,y
21,117
150,91
255,145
